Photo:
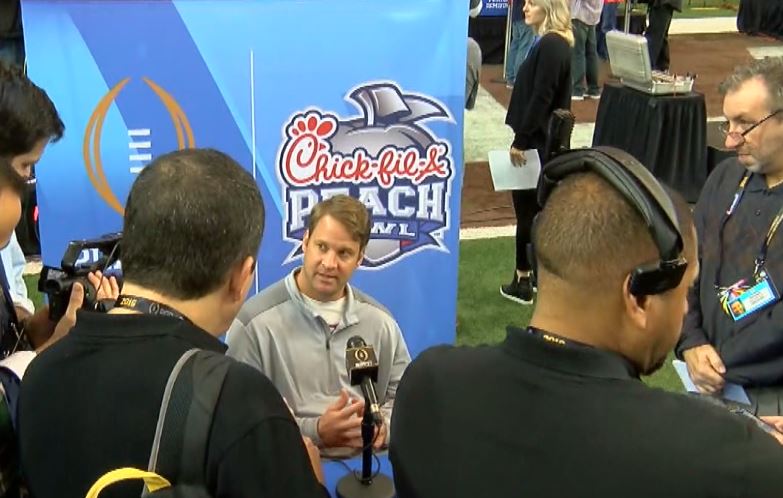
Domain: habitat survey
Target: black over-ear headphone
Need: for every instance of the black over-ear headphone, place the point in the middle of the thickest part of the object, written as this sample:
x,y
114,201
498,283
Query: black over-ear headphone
x,y
642,190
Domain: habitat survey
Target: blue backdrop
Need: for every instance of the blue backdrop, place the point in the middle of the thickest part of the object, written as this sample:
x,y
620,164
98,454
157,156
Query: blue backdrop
x,y
313,97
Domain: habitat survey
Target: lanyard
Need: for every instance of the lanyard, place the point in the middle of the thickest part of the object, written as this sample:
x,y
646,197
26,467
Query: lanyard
x,y
148,307
773,228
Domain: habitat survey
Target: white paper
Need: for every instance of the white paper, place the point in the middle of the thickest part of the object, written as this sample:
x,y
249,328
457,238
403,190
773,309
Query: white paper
x,y
731,392
506,176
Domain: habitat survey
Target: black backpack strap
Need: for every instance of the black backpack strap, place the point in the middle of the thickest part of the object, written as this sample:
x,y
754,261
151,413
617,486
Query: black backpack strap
x,y
192,391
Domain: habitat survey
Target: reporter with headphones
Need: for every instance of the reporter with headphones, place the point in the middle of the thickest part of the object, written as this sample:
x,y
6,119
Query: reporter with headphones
x,y
558,408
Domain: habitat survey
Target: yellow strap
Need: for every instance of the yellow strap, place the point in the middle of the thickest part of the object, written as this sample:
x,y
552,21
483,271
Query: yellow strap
x,y
152,480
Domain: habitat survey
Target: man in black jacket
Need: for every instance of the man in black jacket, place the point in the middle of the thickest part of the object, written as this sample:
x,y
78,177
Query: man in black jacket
x,y
558,409
741,247
660,13
90,403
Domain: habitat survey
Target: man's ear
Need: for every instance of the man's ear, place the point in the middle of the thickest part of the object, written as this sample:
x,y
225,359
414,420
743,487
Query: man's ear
x,y
306,238
241,279
637,308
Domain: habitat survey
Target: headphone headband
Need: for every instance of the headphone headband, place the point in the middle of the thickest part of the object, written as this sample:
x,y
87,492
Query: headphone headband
x,y
640,188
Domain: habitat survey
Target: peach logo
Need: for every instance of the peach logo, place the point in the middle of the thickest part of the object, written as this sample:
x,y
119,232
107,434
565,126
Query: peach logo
x,y
91,146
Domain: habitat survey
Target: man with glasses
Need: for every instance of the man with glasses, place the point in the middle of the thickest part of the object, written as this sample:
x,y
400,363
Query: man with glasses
x,y
733,331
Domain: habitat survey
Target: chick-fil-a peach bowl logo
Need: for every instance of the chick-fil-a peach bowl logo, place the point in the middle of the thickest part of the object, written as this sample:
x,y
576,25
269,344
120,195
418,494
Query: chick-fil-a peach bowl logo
x,y
385,157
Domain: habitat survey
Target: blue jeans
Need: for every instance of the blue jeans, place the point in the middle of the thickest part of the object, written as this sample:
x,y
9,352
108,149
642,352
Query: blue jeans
x,y
522,38
584,60
608,23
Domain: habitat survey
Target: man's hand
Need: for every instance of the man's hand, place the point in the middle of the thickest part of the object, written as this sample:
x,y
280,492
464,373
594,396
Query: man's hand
x,y
340,424
380,438
39,328
777,423
68,320
705,368
517,156
42,332
315,458
22,314
106,288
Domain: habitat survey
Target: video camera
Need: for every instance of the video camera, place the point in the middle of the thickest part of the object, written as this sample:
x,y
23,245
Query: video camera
x,y
57,283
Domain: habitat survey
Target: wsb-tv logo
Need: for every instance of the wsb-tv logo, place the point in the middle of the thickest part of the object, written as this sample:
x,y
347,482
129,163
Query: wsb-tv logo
x,y
140,140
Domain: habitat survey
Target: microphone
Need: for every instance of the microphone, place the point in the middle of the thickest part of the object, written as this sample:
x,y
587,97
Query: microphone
x,y
362,366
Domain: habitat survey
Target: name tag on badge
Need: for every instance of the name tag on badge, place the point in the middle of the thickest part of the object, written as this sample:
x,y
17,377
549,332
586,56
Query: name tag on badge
x,y
753,299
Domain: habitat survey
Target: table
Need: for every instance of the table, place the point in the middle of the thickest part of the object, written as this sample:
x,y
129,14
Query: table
x,y
666,133
761,17
334,470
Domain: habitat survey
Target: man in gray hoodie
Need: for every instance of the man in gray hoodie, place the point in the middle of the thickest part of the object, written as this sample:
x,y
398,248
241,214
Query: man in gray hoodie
x,y
296,331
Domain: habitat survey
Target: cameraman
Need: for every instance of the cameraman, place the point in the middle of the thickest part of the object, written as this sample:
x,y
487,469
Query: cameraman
x,y
192,229
28,123
13,366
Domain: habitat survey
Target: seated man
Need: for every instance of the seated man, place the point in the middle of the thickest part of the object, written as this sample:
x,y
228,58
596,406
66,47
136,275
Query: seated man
x,y
558,409
90,403
296,330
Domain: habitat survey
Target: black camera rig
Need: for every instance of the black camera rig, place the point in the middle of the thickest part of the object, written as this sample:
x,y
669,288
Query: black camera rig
x,y
57,283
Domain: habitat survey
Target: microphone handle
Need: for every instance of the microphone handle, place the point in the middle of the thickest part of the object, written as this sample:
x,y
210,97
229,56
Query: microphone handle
x,y
371,400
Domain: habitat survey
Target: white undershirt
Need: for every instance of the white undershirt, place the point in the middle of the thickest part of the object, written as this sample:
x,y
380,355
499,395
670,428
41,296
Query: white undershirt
x,y
330,311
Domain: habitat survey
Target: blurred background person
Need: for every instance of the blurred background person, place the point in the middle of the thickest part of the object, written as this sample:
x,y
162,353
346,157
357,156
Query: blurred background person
x,y
522,38
585,15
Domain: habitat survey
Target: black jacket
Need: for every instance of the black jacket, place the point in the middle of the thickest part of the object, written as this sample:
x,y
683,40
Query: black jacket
x,y
543,84
90,403
751,348
529,418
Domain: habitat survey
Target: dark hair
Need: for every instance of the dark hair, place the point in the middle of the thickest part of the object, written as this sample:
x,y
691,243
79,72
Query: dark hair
x,y
10,179
589,235
348,211
191,215
27,115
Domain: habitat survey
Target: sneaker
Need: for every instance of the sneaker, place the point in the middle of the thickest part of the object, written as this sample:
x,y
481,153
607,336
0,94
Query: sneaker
x,y
591,95
510,85
577,97
520,290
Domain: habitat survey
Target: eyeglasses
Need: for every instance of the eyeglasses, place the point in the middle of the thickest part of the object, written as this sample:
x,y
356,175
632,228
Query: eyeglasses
x,y
739,136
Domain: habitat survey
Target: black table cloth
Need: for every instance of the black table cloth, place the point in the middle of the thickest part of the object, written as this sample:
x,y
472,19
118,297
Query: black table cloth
x,y
761,17
666,133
